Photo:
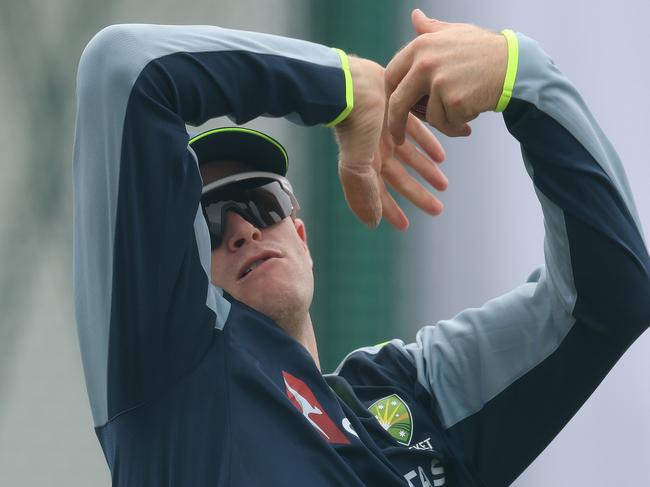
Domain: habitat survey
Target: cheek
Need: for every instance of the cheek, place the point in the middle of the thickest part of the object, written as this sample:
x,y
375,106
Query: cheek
x,y
218,269
291,275
303,273
301,262
289,270
308,266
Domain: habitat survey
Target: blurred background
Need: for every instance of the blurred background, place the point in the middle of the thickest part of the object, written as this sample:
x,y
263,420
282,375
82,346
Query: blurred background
x,y
371,286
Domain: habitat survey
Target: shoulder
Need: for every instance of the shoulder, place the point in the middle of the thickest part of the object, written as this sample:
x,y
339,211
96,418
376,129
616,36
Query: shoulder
x,y
386,363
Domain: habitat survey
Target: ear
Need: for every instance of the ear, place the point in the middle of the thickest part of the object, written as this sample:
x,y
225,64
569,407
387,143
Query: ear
x,y
301,230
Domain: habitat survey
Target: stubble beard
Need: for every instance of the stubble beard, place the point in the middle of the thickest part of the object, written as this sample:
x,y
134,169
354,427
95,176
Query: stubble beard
x,y
288,307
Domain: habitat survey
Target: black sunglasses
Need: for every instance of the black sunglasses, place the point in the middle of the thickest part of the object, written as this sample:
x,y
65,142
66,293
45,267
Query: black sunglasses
x,y
262,199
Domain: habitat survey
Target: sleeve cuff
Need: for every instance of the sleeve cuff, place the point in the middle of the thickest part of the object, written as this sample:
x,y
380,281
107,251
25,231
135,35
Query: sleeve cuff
x,y
349,95
511,70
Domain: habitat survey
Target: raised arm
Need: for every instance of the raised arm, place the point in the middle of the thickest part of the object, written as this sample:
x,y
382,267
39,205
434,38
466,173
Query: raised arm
x,y
145,307
508,376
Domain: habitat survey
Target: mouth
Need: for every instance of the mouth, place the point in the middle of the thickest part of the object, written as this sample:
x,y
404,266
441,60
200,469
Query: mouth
x,y
254,262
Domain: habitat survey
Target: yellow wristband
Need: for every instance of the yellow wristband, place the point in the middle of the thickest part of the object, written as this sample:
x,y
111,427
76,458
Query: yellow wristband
x,y
511,70
349,95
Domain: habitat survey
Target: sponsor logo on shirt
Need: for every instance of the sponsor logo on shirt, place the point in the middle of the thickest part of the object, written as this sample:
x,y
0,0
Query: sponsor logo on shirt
x,y
423,445
395,417
435,477
303,398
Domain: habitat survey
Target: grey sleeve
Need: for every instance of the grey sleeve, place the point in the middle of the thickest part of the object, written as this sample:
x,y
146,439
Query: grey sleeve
x,y
508,376
145,308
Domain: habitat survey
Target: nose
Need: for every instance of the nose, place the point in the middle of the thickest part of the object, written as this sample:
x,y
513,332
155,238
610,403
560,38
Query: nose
x,y
239,231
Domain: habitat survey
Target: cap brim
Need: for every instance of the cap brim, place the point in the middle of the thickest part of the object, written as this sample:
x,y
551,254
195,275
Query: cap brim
x,y
251,147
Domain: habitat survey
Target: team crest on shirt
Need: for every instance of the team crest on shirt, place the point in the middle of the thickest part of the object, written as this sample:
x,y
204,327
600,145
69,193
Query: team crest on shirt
x,y
395,417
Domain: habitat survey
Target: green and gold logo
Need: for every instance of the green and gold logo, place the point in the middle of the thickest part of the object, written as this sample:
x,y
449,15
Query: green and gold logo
x,y
395,417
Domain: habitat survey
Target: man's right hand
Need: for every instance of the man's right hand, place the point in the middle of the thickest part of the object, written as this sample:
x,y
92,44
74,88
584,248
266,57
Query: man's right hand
x,y
369,158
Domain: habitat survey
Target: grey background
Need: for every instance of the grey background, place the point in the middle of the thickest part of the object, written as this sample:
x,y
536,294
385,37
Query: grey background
x,y
486,242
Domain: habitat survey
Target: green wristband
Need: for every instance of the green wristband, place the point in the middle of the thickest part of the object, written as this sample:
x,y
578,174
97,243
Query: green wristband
x,y
511,70
349,95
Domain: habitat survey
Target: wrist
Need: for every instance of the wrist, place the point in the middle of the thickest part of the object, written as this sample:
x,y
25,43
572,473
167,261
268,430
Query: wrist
x,y
367,85
510,74
349,89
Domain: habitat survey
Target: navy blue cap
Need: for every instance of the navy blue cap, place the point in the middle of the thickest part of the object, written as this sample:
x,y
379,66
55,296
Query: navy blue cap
x,y
254,148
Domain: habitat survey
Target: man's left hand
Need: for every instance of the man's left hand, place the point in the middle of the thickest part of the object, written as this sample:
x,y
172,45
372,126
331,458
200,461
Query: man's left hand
x,y
369,158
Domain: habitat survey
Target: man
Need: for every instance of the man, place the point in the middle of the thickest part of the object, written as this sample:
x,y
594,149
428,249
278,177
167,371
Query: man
x,y
193,276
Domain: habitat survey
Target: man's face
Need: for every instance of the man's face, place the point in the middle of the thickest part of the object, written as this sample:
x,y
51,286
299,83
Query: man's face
x,y
268,269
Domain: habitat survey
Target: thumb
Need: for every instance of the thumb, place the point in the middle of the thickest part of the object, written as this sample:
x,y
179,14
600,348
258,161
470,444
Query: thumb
x,y
423,24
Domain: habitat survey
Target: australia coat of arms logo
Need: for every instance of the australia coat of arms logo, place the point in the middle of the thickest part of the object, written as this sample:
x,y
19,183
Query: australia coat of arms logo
x,y
395,417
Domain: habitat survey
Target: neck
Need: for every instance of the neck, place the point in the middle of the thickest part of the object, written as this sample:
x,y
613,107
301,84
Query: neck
x,y
308,340
303,332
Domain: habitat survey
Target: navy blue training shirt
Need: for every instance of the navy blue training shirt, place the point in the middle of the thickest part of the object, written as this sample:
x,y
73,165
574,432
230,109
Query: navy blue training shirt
x,y
186,384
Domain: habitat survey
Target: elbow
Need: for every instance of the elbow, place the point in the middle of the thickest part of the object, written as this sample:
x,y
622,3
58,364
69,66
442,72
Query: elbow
x,y
643,299
616,301
109,60
638,289
634,306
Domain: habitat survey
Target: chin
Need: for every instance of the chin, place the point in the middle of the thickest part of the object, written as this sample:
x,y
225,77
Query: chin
x,y
286,302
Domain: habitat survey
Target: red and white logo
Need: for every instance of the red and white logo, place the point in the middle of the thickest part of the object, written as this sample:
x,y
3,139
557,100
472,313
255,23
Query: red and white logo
x,y
301,396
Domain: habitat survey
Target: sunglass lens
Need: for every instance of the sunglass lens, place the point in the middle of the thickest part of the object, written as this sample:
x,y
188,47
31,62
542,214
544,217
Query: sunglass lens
x,y
262,206
270,203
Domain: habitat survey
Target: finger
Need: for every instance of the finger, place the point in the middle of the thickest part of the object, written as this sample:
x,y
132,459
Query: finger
x,y
398,67
437,117
408,92
423,24
391,211
425,138
458,113
394,173
409,154
362,192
